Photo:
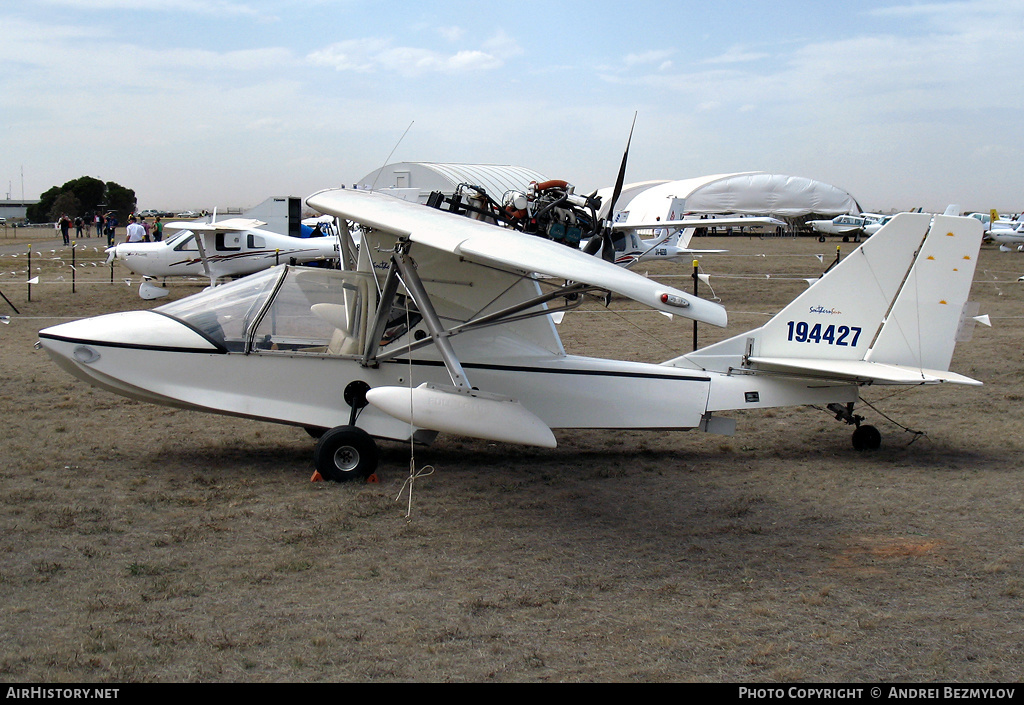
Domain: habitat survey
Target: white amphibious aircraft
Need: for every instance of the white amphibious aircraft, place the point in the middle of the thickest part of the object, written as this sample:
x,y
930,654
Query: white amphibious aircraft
x,y
229,248
445,325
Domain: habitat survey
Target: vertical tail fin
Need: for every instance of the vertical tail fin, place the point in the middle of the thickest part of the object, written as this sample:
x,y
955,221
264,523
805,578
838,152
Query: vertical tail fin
x,y
887,313
921,329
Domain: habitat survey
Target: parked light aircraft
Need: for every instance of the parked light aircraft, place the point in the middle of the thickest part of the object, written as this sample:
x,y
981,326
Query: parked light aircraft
x,y
1009,233
1005,231
229,248
876,221
873,227
673,238
445,325
845,225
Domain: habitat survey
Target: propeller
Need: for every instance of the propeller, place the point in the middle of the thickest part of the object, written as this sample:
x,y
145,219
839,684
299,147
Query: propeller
x,y
605,240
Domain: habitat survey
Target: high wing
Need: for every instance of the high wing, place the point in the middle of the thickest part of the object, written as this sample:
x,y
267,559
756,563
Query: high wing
x,y
506,249
201,230
229,225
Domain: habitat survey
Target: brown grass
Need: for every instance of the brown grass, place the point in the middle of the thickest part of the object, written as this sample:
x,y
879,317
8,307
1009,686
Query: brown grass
x,y
148,544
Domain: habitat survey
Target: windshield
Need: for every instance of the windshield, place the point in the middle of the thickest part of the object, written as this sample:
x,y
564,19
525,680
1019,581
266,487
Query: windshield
x,y
225,313
177,236
186,242
314,311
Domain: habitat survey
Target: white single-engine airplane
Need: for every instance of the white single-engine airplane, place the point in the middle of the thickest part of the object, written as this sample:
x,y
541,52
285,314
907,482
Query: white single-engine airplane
x,y
846,226
673,240
445,325
1005,232
1007,235
229,248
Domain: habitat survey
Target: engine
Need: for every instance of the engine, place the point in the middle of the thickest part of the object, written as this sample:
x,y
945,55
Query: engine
x,y
549,209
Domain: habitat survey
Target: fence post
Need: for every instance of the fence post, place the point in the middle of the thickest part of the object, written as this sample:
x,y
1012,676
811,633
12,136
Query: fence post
x,y
695,280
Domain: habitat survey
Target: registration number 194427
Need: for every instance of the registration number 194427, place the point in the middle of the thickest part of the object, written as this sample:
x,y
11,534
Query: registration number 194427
x,y
803,332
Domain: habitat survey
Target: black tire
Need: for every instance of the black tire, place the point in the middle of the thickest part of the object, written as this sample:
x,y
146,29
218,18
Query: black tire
x,y
821,238
867,438
345,453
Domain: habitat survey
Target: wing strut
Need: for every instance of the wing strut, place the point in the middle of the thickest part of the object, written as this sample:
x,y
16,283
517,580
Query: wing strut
x,y
380,320
411,279
201,244
461,409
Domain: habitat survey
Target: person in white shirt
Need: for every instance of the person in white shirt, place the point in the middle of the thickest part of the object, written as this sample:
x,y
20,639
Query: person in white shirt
x,y
136,233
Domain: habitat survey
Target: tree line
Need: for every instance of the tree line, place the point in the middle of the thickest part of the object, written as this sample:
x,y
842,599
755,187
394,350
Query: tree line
x,y
84,197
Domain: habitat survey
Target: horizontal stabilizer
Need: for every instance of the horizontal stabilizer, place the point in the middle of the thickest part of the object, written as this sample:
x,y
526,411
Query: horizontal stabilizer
x,y
473,414
861,371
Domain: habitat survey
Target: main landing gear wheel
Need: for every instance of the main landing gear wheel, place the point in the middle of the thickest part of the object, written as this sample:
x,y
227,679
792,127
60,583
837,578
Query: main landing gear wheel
x,y
345,453
867,437
821,238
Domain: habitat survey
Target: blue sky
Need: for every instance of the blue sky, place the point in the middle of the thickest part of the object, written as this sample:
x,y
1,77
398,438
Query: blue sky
x,y
203,103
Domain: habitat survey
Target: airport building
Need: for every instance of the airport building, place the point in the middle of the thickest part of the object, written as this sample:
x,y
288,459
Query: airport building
x,y
14,210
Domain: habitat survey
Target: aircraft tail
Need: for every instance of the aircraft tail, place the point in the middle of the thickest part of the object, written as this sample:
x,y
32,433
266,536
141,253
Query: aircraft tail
x,y
890,313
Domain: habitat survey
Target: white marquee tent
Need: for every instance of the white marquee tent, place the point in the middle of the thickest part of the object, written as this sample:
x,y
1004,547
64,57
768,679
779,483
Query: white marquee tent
x,y
747,193
420,178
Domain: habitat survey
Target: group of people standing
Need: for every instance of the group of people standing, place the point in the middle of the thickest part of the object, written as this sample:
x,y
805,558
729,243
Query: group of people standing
x,y
139,230
106,225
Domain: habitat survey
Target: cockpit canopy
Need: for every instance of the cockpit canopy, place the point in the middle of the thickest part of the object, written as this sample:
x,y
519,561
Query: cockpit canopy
x,y
303,310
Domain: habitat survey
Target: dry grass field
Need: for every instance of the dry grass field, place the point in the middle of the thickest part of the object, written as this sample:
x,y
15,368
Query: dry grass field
x,y
146,544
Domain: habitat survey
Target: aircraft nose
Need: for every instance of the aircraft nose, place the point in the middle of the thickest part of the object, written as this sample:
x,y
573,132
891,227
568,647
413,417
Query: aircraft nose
x,y
142,330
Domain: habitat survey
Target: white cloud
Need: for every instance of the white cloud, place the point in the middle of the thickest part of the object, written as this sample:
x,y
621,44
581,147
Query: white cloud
x,y
962,17
658,56
502,46
351,55
735,55
452,34
199,7
377,54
